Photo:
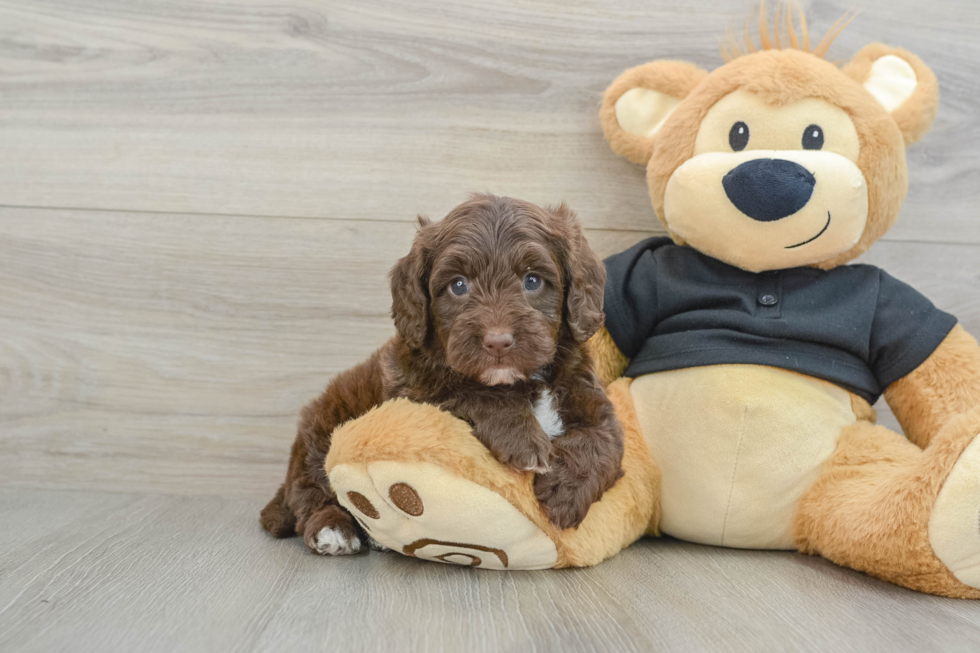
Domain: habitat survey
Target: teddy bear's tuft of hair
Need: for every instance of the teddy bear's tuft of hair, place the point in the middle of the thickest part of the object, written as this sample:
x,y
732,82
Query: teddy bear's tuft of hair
x,y
777,39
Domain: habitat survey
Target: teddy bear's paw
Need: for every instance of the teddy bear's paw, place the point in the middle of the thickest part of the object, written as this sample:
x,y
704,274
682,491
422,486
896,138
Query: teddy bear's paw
x,y
424,511
334,542
954,526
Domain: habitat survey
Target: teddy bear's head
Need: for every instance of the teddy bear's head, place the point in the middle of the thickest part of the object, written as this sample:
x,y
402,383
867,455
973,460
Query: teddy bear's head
x,y
778,158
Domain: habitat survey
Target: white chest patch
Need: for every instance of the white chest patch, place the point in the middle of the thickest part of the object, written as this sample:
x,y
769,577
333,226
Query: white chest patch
x,y
547,416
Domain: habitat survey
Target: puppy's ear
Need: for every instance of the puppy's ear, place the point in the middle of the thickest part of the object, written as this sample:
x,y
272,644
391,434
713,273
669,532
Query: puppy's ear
x,y
409,295
585,276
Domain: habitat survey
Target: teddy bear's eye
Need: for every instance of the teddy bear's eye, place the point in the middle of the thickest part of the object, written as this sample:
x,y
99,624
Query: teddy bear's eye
x,y
738,137
813,138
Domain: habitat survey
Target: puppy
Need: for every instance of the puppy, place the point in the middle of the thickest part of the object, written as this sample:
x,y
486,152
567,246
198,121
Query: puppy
x,y
492,307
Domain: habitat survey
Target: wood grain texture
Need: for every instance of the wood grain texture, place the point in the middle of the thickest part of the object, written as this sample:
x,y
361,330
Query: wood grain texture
x,y
172,353
125,572
199,202
371,109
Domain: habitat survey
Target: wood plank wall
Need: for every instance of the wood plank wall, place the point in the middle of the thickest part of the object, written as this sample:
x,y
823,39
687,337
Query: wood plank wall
x,y
199,200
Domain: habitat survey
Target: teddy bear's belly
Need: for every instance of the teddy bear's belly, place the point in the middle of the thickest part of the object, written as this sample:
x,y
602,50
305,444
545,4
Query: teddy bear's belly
x,y
737,445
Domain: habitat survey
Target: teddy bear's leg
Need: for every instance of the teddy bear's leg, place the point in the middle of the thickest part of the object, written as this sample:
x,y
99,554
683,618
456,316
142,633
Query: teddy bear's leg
x,y
418,482
907,515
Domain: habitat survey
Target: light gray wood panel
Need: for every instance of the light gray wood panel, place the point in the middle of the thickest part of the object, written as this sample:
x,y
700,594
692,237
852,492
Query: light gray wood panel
x,y
172,353
365,109
122,572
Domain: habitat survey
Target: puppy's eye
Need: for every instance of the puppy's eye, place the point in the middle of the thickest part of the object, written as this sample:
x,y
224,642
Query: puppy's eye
x,y
532,281
458,286
738,137
813,138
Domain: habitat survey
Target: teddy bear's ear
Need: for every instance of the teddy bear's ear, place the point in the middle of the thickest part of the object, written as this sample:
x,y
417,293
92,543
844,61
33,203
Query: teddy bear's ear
x,y
901,83
639,101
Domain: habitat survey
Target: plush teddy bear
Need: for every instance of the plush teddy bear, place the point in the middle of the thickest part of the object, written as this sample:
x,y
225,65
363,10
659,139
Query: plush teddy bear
x,y
750,352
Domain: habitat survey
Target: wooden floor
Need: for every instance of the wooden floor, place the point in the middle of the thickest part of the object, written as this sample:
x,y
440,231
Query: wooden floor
x,y
198,205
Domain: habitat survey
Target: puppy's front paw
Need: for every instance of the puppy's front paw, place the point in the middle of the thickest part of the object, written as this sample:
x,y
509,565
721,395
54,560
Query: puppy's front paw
x,y
529,455
335,542
330,532
565,499
375,545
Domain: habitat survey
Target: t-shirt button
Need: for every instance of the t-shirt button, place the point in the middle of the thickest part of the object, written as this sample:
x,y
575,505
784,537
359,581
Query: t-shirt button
x,y
768,300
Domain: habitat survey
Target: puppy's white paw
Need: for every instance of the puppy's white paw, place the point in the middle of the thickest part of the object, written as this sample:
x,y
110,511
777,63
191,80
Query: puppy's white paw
x,y
333,542
375,545
538,469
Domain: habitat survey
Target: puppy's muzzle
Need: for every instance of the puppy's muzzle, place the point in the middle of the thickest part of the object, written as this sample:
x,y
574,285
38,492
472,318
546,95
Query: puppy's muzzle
x,y
769,189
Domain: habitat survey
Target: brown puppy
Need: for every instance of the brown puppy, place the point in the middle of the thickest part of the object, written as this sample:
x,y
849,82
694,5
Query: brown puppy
x,y
492,307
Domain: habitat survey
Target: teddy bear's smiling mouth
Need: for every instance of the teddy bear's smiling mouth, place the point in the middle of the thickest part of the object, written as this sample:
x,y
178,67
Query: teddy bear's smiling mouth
x,y
825,227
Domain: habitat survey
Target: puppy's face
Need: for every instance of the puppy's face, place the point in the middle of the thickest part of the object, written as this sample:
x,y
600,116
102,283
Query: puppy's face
x,y
494,284
497,294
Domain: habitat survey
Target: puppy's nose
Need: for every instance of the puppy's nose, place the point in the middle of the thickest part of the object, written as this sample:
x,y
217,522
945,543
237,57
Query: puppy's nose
x,y
497,342
769,189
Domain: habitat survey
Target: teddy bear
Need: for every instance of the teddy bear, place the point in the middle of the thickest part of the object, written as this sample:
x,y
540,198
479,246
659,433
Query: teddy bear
x,y
743,352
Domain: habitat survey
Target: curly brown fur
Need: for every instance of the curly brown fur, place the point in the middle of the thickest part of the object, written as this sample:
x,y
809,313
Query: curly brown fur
x,y
486,355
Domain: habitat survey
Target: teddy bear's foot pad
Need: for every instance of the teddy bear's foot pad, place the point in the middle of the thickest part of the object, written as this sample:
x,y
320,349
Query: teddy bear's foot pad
x,y
954,526
421,510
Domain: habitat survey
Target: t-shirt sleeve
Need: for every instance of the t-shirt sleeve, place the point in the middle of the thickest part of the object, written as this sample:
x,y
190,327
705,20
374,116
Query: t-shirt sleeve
x,y
631,295
907,328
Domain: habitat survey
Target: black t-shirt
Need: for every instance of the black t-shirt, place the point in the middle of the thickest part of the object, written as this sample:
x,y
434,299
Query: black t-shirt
x,y
670,307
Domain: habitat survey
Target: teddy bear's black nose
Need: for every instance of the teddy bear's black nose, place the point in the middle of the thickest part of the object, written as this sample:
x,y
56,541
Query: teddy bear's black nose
x,y
769,189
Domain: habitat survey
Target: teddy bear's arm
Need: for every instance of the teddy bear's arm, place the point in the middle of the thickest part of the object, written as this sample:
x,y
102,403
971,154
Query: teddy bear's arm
x,y
945,385
609,362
